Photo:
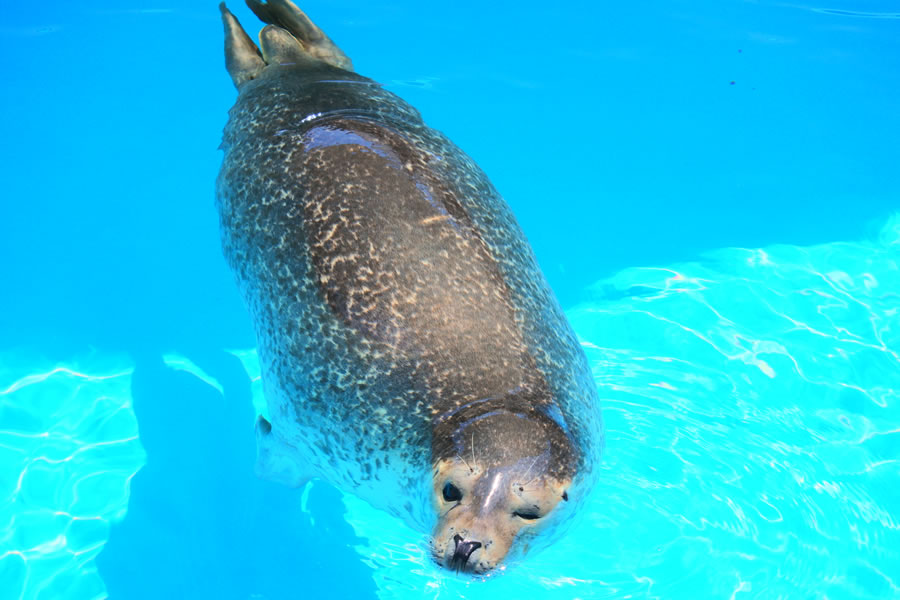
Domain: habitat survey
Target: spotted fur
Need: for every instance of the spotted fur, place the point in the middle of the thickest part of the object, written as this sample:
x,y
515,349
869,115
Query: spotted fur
x,y
393,294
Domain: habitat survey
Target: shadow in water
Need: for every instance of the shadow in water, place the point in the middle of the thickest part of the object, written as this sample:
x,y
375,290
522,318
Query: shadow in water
x,y
200,524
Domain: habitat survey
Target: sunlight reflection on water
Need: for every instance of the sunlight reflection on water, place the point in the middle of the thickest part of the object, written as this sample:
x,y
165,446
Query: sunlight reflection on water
x,y
752,408
68,450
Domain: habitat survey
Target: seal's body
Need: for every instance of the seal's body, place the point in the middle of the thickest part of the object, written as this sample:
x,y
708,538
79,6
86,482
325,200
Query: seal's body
x,y
412,351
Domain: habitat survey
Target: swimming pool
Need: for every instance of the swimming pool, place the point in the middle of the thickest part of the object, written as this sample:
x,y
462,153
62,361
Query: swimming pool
x,y
710,188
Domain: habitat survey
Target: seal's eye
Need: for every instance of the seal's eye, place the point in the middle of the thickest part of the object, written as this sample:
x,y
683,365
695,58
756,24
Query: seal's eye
x,y
528,515
452,493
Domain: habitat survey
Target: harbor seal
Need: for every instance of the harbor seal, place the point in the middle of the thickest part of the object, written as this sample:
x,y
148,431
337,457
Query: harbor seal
x,y
412,352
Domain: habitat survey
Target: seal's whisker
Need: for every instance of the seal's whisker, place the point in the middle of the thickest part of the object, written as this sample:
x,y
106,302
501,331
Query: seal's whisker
x,y
526,487
527,483
459,456
529,469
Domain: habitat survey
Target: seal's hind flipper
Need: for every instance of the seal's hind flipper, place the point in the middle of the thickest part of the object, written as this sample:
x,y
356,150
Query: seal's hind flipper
x,y
281,48
275,460
285,14
242,57
289,38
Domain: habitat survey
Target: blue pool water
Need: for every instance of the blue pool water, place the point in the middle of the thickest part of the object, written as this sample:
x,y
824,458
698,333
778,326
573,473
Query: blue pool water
x,y
713,193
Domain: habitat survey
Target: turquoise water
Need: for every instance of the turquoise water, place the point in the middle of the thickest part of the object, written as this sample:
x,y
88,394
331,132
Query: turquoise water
x,y
710,187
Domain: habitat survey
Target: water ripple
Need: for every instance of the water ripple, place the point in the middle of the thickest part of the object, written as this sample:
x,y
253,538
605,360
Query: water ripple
x,y
68,451
753,437
752,404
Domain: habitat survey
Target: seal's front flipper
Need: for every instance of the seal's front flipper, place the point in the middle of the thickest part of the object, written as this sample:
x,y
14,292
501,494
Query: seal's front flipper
x,y
313,41
275,460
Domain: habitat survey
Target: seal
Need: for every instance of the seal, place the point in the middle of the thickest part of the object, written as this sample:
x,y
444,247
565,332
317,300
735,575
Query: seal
x,y
412,352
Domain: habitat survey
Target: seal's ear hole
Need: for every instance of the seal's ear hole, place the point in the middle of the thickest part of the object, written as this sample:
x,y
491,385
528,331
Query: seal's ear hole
x,y
451,493
566,496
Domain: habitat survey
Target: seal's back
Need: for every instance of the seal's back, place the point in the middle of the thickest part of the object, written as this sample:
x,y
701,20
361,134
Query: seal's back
x,y
390,286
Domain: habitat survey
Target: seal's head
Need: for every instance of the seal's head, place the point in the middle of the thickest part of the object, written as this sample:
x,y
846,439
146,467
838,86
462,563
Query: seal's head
x,y
497,477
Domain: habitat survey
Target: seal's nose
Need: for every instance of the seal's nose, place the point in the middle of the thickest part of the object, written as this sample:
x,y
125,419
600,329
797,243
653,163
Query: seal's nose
x,y
464,549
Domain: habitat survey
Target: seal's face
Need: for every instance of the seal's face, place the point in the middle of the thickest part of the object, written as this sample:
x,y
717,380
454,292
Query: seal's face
x,y
482,510
499,471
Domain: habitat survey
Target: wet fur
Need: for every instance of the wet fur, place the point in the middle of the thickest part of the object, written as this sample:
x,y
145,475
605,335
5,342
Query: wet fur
x,y
395,299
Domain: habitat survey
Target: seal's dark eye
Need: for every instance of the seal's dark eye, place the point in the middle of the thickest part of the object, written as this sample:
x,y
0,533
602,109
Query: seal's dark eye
x,y
452,493
528,515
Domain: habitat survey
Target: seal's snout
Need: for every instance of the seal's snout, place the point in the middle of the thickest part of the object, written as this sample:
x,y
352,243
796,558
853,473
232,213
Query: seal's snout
x,y
464,549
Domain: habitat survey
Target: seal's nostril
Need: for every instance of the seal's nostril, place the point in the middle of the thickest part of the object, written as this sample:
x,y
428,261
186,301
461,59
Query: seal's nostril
x,y
464,549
